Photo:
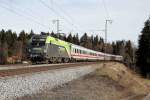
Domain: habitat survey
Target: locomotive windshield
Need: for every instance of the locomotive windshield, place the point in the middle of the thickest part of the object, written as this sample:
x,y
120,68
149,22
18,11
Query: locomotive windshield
x,y
38,41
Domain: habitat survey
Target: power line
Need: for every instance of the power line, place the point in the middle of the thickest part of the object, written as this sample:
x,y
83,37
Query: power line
x,y
66,14
106,9
15,7
53,10
18,14
57,13
46,5
63,11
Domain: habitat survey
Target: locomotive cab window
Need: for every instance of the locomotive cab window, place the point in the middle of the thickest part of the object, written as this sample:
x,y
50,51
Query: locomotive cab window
x,y
38,42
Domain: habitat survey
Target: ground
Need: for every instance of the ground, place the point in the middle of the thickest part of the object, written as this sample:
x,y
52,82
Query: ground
x,y
112,82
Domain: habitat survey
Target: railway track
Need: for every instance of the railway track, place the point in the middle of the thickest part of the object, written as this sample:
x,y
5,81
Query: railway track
x,y
17,70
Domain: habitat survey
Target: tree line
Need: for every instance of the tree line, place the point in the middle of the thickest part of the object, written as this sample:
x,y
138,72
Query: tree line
x,y
13,46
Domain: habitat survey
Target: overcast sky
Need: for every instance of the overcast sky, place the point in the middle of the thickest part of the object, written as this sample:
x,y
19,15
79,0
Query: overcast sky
x,y
77,16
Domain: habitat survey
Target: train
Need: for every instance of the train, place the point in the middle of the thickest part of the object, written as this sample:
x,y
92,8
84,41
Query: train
x,y
45,48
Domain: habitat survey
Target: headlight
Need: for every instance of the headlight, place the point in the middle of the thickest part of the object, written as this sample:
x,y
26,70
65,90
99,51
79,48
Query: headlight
x,y
29,50
44,51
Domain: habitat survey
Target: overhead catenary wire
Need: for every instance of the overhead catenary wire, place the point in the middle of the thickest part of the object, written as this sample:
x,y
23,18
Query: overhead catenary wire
x,y
15,7
106,9
58,14
19,14
69,16
63,11
26,10
31,17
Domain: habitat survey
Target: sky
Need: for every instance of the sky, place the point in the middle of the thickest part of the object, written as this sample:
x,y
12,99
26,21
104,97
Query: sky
x,y
77,16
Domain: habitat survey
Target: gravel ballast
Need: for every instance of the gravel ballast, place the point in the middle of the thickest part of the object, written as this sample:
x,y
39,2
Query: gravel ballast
x,y
13,87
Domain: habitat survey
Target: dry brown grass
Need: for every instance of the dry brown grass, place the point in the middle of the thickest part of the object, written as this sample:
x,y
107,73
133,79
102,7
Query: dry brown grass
x,y
125,77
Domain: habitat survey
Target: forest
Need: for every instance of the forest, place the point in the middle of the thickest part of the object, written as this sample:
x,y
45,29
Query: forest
x,y
13,46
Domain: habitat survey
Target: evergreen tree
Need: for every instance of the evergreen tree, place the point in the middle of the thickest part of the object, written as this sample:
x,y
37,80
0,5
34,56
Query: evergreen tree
x,y
101,44
4,52
3,37
53,35
83,40
70,38
86,41
31,34
143,52
95,43
23,37
128,58
76,39
1,53
114,48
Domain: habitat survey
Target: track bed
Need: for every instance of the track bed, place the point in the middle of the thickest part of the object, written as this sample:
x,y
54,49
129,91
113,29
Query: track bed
x,y
37,68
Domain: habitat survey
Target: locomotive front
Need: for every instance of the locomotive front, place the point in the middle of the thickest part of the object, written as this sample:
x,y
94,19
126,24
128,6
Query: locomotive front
x,y
37,48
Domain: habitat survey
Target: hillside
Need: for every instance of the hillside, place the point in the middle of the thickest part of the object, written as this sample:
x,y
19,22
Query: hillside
x,y
126,78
